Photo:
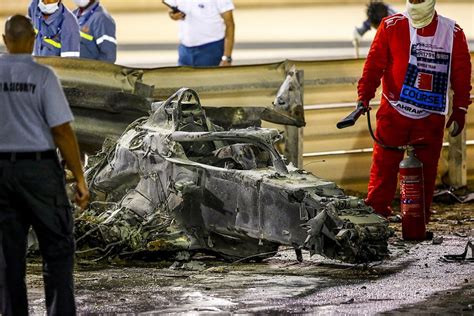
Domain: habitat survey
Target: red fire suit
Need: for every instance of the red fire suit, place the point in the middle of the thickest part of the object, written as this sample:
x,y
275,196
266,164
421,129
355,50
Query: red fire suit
x,y
388,60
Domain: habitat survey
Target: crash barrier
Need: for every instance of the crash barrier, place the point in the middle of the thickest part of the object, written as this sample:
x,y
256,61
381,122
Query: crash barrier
x,y
8,7
117,95
101,100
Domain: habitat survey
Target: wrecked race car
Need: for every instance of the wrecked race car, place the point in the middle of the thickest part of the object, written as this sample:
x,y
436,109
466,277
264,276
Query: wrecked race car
x,y
175,181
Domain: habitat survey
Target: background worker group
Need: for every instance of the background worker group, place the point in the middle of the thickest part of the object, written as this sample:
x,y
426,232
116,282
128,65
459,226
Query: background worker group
x,y
206,30
88,32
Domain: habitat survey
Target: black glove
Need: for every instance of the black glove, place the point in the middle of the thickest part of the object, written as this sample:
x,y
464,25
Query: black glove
x,y
364,104
458,117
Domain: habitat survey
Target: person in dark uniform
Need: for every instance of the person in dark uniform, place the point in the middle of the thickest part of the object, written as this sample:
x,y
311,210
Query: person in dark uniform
x,y
57,29
98,39
34,122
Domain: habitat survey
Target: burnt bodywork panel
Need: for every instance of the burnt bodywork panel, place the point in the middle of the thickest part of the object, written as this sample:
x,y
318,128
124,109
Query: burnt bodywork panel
x,y
230,192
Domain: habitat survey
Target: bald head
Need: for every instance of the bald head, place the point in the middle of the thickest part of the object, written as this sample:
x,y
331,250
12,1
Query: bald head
x,y
19,36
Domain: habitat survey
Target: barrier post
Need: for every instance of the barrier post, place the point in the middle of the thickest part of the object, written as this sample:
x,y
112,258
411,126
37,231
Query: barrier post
x,y
294,135
457,157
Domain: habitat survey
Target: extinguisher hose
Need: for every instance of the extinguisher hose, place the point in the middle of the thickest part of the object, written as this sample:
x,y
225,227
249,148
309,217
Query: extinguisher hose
x,y
352,118
380,143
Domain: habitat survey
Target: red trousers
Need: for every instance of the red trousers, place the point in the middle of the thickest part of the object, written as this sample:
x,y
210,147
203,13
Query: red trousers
x,y
395,129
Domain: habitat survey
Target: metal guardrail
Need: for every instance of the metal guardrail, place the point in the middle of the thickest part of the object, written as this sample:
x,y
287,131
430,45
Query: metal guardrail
x,y
359,151
334,106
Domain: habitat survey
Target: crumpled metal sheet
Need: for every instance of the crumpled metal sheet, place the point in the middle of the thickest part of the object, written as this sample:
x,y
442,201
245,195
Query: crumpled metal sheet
x,y
466,256
451,195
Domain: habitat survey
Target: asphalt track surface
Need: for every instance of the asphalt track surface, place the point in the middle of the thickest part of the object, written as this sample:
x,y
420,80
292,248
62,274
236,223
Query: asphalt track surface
x,y
414,280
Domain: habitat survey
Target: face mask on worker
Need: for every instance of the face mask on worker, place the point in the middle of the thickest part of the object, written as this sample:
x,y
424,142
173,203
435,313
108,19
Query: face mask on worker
x,y
82,3
421,14
48,8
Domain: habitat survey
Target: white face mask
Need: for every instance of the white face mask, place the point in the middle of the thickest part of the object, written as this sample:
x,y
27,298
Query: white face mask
x,y
421,14
48,8
82,3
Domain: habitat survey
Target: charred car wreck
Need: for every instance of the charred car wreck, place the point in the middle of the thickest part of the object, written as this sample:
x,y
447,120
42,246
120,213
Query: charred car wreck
x,y
175,181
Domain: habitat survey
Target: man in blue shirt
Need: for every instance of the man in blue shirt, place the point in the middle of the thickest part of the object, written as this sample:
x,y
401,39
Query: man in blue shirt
x,y
97,28
57,30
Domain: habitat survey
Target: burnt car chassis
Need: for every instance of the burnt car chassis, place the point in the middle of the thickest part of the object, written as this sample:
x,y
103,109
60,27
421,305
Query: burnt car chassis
x,y
175,181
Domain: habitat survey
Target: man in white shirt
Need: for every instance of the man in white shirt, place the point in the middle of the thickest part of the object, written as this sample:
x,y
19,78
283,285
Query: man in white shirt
x,y
206,32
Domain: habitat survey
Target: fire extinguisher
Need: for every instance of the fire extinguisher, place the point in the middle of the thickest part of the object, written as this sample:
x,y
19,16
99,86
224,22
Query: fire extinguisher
x,y
412,196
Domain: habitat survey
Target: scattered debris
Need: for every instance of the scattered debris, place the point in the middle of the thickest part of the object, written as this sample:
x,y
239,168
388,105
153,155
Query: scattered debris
x,y
466,256
429,235
193,266
437,240
395,219
452,195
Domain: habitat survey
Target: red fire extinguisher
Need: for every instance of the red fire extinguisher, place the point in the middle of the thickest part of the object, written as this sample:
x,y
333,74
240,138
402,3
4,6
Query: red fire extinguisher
x,y
412,197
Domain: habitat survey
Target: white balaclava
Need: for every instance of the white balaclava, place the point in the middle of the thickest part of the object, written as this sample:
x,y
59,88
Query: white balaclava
x,y
48,8
82,3
421,14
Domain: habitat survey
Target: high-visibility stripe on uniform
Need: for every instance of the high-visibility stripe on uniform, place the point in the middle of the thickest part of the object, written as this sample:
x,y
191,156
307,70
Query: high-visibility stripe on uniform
x,y
111,39
52,43
87,36
70,54
49,41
